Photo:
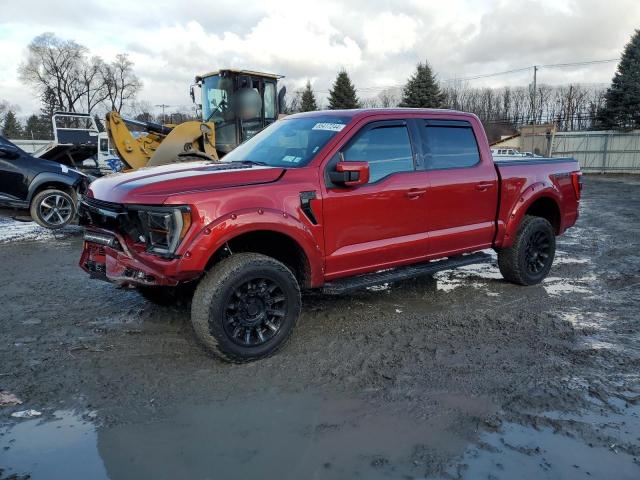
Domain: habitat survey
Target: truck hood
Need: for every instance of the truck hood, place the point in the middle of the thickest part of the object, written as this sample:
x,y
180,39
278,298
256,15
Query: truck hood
x,y
154,185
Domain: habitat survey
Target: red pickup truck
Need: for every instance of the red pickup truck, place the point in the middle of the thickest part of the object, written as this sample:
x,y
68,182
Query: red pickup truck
x,y
335,200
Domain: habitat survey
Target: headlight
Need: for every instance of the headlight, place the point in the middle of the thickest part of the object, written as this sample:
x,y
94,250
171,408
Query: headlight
x,y
164,227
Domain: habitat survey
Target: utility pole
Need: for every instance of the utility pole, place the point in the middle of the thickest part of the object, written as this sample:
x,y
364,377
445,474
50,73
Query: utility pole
x,y
533,125
163,106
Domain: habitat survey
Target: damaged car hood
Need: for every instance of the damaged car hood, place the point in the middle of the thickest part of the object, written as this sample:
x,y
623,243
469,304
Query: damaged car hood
x,y
153,185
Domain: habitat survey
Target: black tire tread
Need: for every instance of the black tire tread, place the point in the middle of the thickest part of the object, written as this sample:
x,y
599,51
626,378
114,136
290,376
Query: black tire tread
x,y
211,284
508,258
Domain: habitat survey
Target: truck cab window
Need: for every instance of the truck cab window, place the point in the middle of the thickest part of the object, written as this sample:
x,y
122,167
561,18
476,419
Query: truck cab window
x,y
449,147
387,149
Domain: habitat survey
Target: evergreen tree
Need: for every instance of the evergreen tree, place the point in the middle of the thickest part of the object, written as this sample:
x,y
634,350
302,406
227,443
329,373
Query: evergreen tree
x,y
622,100
422,90
12,127
49,102
308,102
38,128
343,94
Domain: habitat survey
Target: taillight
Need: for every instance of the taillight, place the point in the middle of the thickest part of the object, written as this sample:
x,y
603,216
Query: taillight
x,y
576,181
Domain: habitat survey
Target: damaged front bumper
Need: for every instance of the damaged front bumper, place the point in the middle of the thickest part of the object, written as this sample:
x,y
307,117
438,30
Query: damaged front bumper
x,y
105,256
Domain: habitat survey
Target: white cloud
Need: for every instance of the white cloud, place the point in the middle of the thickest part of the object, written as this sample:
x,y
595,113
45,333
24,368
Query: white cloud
x,y
378,42
388,33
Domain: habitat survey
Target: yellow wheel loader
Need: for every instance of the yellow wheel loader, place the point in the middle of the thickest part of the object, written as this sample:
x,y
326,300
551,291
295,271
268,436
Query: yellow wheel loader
x,y
235,105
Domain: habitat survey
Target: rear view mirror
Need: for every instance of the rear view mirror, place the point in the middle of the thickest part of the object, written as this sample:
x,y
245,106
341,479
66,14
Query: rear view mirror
x,y
9,151
350,174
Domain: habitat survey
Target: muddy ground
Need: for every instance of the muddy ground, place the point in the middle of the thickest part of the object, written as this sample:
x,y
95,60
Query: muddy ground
x,y
457,376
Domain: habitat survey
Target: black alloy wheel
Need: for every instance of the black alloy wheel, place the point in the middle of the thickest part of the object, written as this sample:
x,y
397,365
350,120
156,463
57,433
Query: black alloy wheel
x,y
254,312
246,307
537,251
528,260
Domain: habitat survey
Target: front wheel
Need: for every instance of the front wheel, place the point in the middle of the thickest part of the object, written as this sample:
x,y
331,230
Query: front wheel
x,y
53,208
246,307
529,259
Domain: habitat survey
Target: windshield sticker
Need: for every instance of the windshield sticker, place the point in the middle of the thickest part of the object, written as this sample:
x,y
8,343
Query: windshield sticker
x,y
291,159
332,127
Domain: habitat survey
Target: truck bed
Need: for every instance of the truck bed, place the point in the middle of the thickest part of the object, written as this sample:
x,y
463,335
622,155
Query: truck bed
x,y
520,179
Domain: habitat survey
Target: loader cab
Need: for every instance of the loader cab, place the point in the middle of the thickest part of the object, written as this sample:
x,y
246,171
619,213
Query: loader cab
x,y
240,103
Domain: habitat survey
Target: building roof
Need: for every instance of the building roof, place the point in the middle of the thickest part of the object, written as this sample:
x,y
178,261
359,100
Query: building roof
x,y
505,139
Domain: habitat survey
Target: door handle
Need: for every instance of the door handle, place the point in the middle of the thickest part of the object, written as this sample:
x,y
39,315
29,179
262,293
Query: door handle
x,y
482,186
416,192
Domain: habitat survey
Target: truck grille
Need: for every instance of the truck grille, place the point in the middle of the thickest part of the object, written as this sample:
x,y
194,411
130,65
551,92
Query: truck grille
x,y
102,204
109,216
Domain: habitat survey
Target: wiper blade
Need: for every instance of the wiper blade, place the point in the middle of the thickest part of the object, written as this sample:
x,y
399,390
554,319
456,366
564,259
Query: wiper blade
x,y
253,162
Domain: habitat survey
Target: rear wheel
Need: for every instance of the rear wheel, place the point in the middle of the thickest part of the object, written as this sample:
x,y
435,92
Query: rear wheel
x,y
529,259
246,308
53,208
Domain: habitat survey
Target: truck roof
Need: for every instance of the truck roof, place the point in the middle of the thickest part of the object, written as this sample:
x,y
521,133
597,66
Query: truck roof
x,y
358,113
241,72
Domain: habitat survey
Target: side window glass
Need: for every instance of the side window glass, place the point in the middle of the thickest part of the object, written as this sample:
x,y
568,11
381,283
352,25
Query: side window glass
x,y
450,147
269,101
387,149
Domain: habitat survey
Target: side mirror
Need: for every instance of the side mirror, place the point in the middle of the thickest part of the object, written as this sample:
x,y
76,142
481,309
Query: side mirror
x,y
350,174
9,151
192,94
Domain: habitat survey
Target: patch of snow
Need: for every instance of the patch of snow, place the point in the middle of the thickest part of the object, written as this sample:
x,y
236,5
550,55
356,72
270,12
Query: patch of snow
x,y
14,231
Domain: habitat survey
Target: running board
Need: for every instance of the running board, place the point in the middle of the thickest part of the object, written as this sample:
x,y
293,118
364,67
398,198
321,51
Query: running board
x,y
340,286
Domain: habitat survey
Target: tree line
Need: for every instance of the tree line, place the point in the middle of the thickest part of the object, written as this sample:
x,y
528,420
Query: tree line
x,y
504,110
66,77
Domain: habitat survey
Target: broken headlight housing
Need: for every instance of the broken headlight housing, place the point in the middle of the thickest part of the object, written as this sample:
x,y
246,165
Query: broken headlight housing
x,y
163,228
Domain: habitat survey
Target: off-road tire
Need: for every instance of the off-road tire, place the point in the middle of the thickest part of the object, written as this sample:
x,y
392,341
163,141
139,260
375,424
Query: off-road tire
x,y
512,260
213,294
167,296
38,213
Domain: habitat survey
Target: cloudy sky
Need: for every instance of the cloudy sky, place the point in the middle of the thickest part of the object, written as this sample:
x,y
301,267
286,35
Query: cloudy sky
x,y
378,42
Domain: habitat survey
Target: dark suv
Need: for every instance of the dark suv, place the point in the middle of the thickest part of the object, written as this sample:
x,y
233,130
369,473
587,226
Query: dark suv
x,y
44,189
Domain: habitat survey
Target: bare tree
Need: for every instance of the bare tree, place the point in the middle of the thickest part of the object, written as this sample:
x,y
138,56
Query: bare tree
x,y
389,98
63,74
120,83
93,82
55,64
504,110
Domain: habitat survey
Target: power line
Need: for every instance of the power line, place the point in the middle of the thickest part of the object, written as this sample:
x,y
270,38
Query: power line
x,y
487,75
577,64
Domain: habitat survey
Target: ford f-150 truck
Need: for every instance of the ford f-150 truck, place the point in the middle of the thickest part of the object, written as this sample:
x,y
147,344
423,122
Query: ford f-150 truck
x,y
332,199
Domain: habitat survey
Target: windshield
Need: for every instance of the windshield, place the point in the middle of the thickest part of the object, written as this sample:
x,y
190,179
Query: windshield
x,y
290,142
216,97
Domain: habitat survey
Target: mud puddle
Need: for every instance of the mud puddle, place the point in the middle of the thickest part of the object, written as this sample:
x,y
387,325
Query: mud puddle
x,y
290,436
568,446
59,448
